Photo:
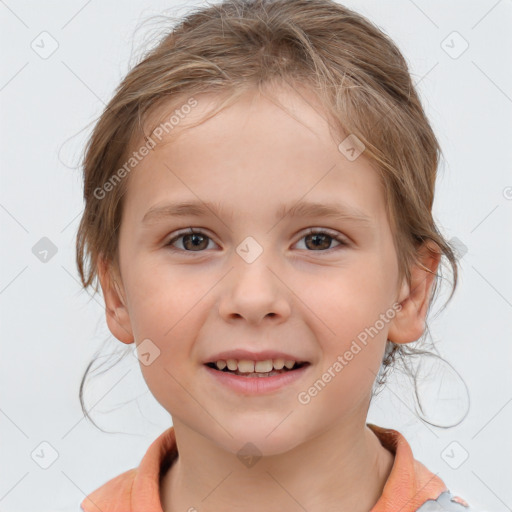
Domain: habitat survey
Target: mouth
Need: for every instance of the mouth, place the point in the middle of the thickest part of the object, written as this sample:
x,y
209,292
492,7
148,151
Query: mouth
x,y
246,371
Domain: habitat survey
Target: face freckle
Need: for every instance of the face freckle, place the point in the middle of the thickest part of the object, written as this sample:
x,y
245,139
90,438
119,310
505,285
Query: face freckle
x,y
254,179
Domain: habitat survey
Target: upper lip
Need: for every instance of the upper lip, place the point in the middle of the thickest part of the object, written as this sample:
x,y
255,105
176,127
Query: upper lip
x,y
248,355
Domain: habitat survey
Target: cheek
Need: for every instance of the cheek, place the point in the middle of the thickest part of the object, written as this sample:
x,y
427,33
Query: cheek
x,y
171,325
164,313
352,353
354,309
162,297
351,299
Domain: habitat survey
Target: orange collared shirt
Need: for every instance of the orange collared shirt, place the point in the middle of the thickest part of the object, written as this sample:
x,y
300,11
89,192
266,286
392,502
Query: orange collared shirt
x,y
410,487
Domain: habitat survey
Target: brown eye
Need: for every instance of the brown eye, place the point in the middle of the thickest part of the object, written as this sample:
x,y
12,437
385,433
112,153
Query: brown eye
x,y
197,241
318,241
194,241
321,240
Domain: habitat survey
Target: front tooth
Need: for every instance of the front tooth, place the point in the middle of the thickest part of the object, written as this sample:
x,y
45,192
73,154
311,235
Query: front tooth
x,y
278,364
263,366
245,366
232,364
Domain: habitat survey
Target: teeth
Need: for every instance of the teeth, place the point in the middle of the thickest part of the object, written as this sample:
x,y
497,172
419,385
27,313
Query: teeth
x,y
278,364
262,366
232,364
245,366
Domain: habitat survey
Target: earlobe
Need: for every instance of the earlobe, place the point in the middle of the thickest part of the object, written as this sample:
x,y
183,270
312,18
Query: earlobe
x,y
409,323
118,319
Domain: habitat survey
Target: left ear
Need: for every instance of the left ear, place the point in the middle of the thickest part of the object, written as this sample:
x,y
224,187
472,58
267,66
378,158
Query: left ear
x,y
409,323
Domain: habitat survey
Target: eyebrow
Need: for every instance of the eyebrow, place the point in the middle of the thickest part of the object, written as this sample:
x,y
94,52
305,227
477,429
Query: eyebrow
x,y
339,211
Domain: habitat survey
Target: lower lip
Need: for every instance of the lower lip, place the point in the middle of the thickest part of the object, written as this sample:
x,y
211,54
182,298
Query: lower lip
x,y
257,385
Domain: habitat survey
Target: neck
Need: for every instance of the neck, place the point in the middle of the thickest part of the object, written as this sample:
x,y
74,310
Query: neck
x,y
346,469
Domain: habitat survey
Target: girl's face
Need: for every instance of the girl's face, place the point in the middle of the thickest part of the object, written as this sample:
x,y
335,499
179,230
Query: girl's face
x,y
254,278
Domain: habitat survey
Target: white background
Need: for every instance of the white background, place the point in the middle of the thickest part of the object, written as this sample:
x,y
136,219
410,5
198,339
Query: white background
x,y
50,329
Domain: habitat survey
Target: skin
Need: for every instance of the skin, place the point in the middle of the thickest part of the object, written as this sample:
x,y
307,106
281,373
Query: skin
x,y
294,297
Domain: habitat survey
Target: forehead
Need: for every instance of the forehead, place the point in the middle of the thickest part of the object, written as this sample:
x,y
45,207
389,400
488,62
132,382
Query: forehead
x,y
258,150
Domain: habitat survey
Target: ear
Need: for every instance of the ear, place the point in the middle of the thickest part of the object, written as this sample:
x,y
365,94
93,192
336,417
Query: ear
x,y
118,319
409,323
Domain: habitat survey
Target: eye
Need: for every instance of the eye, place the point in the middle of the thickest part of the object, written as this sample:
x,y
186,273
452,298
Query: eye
x,y
321,239
196,241
193,241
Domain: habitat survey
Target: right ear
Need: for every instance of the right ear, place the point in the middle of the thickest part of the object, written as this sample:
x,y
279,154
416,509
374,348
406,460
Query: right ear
x,y
118,318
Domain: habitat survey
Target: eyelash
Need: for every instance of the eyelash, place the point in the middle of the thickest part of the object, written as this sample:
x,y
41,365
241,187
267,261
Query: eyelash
x,y
311,231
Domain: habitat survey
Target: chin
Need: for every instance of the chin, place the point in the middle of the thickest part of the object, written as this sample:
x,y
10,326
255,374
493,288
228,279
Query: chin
x,y
260,438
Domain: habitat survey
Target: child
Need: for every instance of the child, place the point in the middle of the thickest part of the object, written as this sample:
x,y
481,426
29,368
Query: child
x,y
283,140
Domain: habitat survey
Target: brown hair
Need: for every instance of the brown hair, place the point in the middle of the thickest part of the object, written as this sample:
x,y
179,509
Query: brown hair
x,y
356,71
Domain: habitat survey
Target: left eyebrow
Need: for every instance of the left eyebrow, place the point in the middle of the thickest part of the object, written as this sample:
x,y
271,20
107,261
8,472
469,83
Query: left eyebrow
x,y
337,210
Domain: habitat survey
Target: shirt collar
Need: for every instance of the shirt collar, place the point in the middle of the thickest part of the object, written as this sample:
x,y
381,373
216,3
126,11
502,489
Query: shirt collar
x,y
408,486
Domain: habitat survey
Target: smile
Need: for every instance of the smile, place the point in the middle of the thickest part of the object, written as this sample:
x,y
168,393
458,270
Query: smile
x,y
253,382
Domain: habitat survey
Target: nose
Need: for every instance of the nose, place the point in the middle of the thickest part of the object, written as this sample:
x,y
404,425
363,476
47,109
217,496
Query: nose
x,y
254,291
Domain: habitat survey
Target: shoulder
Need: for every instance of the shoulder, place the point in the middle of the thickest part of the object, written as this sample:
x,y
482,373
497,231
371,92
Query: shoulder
x,y
447,502
116,491
138,488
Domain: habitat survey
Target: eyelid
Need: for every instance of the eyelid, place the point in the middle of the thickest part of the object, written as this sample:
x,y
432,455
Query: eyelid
x,y
331,232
